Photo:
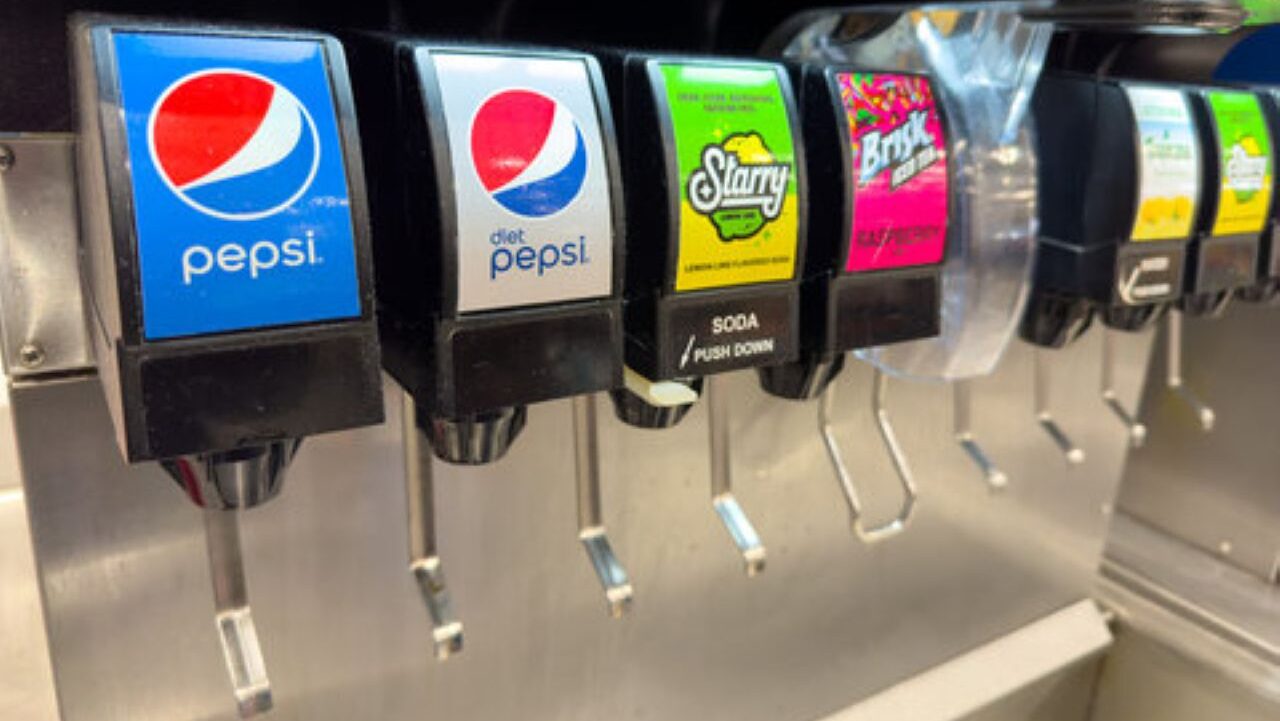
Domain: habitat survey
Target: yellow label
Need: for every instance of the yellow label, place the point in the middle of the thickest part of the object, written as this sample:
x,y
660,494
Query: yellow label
x,y
1164,218
1236,217
767,256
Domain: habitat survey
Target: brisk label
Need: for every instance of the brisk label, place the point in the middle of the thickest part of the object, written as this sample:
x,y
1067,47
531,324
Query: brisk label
x,y
898,147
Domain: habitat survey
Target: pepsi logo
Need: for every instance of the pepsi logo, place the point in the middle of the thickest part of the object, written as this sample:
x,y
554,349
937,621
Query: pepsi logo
x,y
232,144
528,152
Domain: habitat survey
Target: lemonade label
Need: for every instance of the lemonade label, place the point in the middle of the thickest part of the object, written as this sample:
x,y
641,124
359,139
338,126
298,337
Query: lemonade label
x,y
899,156
1168,164
1244,193
739,221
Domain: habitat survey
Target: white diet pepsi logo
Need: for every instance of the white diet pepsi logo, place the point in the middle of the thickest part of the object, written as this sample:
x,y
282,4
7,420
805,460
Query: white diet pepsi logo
x,y
532,201
531,158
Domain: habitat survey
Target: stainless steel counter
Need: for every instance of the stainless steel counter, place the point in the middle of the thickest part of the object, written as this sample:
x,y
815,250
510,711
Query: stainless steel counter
x,y
26,677
346,636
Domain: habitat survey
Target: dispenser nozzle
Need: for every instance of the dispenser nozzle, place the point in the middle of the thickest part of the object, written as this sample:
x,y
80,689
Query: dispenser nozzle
x,y
241,478
476,438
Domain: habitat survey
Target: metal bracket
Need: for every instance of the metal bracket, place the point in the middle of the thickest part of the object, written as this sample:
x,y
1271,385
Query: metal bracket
x,y
43,324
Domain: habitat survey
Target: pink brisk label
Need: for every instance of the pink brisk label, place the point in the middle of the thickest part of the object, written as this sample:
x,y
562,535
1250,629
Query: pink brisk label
x,y
899,155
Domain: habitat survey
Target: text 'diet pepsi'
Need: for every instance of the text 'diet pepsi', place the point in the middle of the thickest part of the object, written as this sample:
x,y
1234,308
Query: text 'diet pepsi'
x,y
530,181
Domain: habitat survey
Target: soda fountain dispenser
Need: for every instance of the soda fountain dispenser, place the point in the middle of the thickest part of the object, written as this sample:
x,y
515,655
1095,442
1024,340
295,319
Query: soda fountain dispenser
x,y
1228,253
1121,170
716,196
878,225
1224,260
980,90
226,264
1230,83
495,200
879,203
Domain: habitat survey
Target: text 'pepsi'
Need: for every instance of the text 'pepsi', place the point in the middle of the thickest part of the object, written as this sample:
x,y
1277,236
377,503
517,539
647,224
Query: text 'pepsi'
x,y
241,200
534,220
262,256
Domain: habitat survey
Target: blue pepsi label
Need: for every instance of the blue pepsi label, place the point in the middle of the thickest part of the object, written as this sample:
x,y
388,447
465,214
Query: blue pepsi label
x,y
240,191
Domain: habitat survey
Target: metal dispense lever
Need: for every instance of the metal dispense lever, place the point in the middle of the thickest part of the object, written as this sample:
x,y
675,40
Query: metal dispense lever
x,y
1173,373
725,503
1041,394
875,534
234,618
962,425
1137,429
591,531
424,557
224,485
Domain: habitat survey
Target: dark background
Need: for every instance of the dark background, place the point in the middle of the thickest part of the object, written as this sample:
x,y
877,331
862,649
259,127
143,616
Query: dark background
x,y
34,90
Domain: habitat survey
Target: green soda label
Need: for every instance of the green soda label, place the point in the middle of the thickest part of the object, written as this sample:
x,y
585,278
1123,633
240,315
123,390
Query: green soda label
x,y
1244,152
739,215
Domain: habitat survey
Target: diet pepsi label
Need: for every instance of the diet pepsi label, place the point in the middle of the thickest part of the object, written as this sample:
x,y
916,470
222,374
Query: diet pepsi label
x,y
240,191
534,220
